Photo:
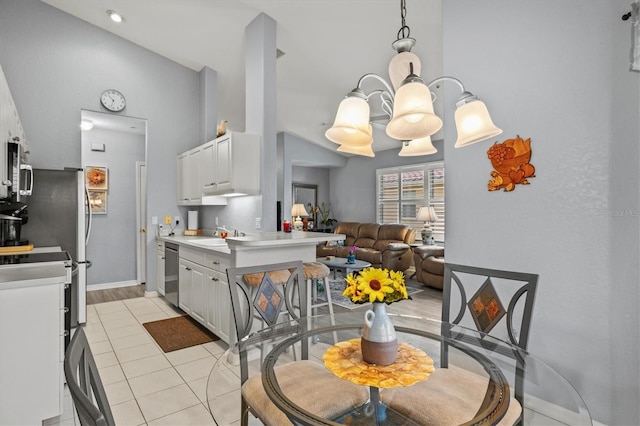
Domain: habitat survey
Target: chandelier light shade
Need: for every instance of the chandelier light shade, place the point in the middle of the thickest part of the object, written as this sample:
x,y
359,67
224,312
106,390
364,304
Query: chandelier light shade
x,y
422,146
408,102
366,150
351,126
474,124
413,115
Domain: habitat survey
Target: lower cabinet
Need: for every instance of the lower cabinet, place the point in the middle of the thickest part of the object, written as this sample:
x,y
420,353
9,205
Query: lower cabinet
x,y
218,319
204,291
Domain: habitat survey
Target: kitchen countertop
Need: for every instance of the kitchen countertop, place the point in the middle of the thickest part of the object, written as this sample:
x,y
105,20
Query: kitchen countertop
x,y
261,240
44,271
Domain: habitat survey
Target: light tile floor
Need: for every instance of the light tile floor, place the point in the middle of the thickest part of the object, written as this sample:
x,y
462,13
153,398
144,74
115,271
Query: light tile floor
x,y
144,385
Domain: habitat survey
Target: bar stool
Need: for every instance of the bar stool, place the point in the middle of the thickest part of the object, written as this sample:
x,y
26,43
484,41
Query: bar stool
x,y
314,271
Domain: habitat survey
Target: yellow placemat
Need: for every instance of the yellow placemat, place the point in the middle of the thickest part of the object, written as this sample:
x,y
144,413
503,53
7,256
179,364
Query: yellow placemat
x,y
16,249
344,359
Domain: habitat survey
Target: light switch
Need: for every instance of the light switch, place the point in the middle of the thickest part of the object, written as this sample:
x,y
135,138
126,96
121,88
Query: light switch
x,y
154,220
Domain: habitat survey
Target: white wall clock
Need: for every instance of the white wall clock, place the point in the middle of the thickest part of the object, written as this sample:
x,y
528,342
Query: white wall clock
x,y
113,100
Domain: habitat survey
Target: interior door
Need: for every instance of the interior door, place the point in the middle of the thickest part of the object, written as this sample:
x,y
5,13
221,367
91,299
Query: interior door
x,y
141,221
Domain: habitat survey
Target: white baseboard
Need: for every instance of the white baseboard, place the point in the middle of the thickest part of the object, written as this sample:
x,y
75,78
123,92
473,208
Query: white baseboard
x,y
106,286
151,294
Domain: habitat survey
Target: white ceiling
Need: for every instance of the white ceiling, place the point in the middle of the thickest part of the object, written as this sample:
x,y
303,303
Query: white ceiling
x,y
328,45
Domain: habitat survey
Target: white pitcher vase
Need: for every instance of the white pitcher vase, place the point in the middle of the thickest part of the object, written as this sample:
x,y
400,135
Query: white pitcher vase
x,y
379,343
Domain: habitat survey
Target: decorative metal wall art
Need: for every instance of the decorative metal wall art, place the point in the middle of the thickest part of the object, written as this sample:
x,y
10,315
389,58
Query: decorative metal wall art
x,y
511,162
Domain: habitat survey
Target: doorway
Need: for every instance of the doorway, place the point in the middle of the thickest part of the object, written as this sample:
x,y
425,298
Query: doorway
x,y
116,145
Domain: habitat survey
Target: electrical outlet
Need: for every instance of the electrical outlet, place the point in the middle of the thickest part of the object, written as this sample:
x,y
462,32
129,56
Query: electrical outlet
x,y
177,220
258,223
167,219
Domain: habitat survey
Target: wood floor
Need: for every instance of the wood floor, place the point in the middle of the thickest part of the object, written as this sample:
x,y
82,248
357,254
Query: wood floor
x,y
113,294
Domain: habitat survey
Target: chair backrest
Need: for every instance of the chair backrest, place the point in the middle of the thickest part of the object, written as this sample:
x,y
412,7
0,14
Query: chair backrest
x,y
481,295
84,383
261,294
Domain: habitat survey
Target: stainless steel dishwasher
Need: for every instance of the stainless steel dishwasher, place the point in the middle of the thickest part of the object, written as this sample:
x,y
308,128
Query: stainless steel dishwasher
x,y
171,273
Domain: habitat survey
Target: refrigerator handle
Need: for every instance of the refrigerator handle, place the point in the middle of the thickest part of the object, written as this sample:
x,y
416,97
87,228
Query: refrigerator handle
x,y
88,231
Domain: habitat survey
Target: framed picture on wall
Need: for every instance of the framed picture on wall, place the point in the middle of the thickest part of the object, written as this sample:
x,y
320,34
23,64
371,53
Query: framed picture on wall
x,y
97,177
98,202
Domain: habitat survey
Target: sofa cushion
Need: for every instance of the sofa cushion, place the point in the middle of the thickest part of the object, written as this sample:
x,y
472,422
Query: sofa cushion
x,y
434,265
369,255
394,232
350,229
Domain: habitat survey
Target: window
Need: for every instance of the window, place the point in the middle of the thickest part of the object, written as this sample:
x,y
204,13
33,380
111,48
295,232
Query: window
x,y
401,191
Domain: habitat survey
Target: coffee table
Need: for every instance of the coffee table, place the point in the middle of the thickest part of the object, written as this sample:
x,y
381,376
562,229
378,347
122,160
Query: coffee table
x,y
340,263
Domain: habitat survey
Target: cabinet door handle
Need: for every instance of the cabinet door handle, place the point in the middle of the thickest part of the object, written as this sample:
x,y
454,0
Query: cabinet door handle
x,y
216,262
187,268
214,279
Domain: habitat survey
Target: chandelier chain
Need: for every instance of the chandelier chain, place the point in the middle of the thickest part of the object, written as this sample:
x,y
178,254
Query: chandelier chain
x,y
404,31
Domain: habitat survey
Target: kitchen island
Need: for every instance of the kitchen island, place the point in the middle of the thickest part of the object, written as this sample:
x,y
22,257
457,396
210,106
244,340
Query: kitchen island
x,y
203,289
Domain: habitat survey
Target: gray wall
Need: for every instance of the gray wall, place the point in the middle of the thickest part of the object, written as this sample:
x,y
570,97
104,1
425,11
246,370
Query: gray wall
x,y
56,65
353,188
556,72
297,152
113,236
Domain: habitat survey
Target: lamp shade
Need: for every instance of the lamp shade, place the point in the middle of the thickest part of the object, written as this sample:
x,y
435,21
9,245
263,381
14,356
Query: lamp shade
x,y
351,126
474,124
413,115
366,150
298,210
422,146
427,214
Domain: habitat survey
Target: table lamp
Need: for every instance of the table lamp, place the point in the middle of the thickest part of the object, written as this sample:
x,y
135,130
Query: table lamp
x,y
427,214
297,211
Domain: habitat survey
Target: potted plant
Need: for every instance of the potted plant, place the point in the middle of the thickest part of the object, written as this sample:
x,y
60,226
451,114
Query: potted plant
x,y
326,222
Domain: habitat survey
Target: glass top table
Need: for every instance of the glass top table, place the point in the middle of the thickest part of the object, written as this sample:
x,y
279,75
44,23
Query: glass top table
x,y
508,376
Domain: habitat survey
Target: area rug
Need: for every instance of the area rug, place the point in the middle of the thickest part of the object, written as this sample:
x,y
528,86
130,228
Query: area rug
x,y
178,333
338,286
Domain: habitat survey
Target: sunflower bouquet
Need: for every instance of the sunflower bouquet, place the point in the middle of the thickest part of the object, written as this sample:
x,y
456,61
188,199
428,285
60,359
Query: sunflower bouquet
x,y
375,285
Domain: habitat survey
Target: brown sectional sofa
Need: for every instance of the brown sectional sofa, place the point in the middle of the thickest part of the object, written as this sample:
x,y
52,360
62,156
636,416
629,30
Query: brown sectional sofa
x,y
384,246
429,261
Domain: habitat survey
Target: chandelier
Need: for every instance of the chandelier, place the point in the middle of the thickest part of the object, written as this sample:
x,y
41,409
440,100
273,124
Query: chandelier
x,y
408,102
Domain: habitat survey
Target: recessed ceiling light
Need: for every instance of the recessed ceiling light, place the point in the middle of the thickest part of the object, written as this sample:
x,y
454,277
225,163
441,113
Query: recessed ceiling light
x,y
115,16
86,125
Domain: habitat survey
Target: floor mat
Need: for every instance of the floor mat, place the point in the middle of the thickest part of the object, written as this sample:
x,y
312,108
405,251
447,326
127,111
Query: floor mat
x,y
178,333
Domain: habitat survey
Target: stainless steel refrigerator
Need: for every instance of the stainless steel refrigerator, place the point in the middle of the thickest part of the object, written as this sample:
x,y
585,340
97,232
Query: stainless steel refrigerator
x,y
57,218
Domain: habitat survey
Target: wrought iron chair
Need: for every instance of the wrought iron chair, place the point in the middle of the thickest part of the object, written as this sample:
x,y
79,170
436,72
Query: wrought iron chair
x,y
84,383
320,390
471,299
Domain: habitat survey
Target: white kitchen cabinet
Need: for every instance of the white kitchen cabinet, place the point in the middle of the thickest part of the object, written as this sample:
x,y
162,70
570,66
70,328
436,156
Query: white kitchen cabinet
x,y
32,346
160,266
218,318
184,284
10,129
231,165
198,302
189,187
204,292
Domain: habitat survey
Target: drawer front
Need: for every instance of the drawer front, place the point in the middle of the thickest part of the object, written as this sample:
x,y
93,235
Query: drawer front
x,y
195,256
217,262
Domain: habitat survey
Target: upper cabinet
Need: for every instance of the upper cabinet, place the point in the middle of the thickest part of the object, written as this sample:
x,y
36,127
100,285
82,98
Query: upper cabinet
x,y
231,165
228,165
10,130
189,177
